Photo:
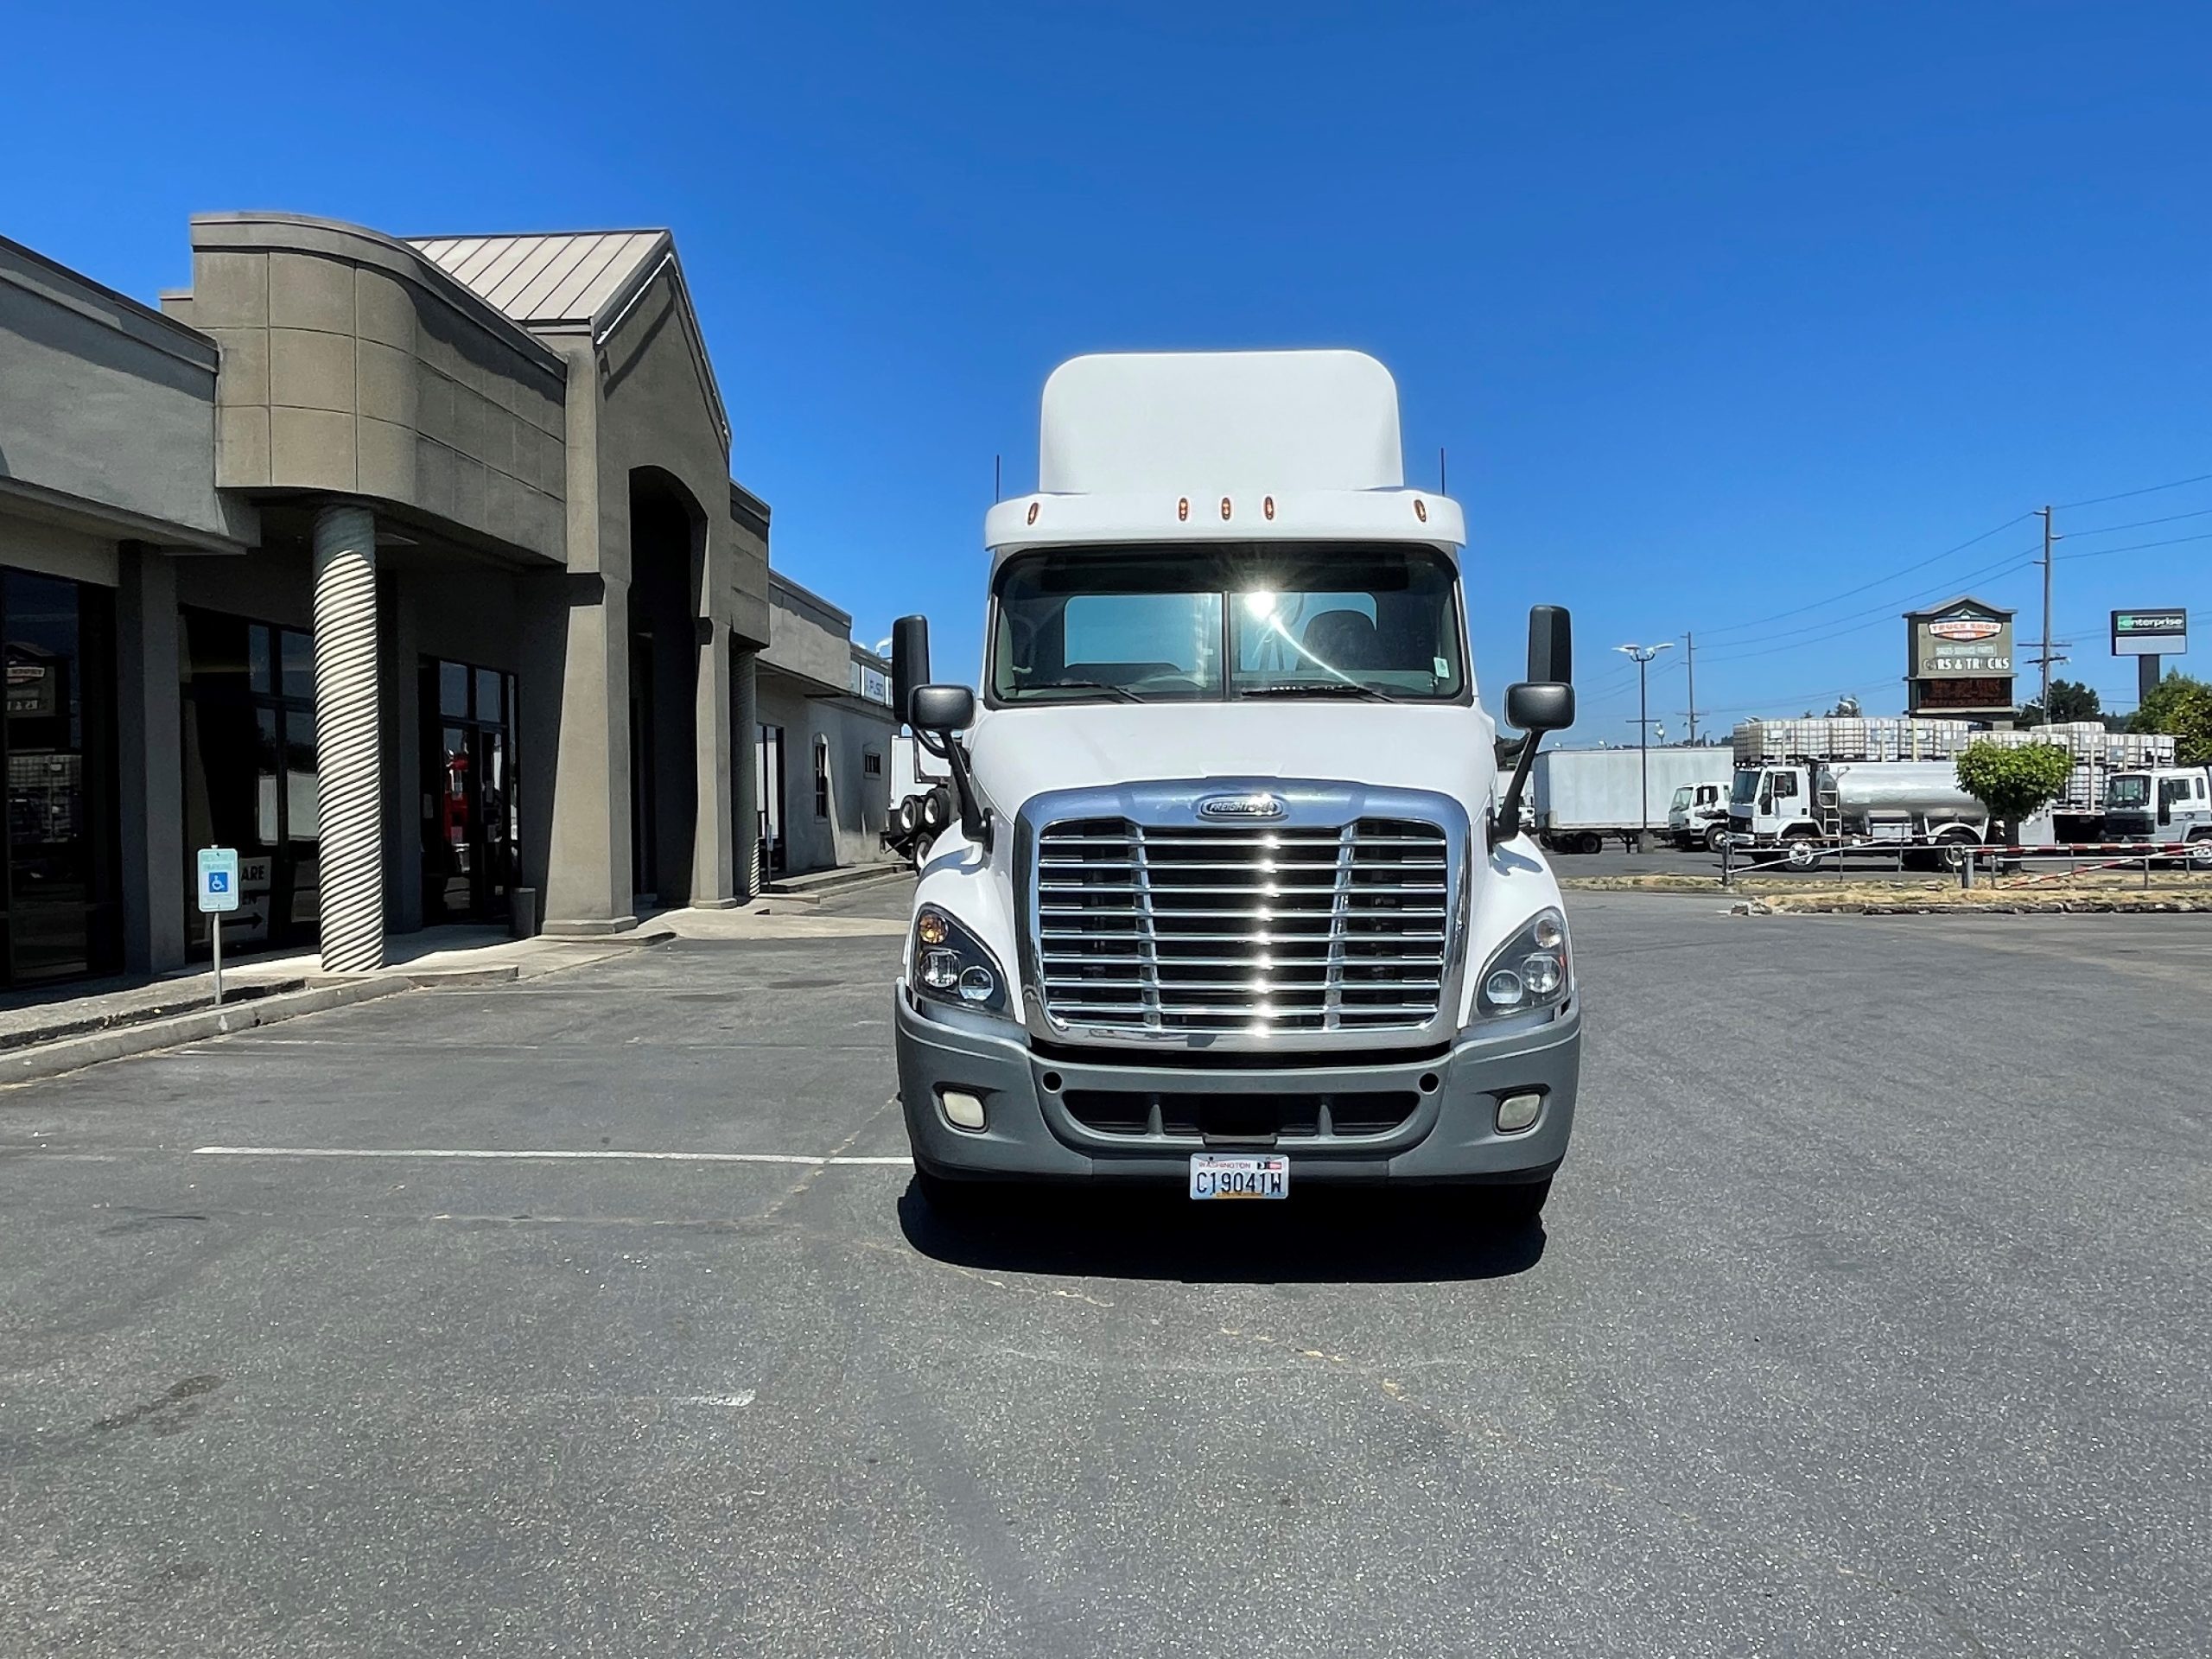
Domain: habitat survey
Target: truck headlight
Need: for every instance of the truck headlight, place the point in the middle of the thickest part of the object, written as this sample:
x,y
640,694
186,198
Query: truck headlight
x,y
1531,971
953,965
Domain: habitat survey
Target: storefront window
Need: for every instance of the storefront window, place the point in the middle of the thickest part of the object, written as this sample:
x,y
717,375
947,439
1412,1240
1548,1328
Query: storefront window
x,y
57,638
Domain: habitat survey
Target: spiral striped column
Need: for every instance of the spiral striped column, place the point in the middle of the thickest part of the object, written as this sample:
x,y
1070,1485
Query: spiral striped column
x,y
348,793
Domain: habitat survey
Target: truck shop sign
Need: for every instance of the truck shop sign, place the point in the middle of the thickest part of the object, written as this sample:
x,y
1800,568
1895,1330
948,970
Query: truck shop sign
x,y
1963,641
2150,633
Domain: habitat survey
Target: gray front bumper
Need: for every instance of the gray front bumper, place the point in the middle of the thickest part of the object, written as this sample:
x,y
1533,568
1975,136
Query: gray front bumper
x,y
1030,1134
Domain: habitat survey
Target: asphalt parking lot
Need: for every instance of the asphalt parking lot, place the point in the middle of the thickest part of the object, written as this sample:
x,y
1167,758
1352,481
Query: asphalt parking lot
x,y
1870,1316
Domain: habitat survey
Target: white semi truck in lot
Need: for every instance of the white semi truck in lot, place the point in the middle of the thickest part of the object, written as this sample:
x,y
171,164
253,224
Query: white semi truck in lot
x,y
2161,803
1234,895
1584,795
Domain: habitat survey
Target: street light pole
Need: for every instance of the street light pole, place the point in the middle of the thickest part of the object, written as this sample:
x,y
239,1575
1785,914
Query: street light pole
x,y
1643,656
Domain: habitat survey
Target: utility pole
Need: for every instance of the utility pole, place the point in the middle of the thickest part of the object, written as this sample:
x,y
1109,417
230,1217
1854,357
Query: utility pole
x,y
2052,646
2046,659
1689,662
1643,654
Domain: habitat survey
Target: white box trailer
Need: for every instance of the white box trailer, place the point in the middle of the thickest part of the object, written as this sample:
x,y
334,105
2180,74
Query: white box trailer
x,y
1582,796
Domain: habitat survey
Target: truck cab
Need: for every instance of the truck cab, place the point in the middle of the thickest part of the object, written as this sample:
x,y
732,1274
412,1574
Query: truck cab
x,y
2159,803
1769,803
1234,894
1698,815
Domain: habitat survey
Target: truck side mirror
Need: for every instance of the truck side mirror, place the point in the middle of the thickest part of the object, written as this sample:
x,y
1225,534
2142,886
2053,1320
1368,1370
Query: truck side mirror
x,y
936,712
910,660
1546,706
940,708
1551,648
1543,702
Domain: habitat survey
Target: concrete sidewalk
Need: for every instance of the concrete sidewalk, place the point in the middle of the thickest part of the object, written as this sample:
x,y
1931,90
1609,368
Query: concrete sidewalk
x,y
81,1024
43,1035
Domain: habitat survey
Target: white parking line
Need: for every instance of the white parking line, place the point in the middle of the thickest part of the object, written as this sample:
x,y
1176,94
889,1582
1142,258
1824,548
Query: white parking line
x,y
603,1155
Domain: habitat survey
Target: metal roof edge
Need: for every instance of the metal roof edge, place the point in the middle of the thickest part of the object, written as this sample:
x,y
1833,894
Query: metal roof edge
x,y
663,257
394,255
777,578
183,334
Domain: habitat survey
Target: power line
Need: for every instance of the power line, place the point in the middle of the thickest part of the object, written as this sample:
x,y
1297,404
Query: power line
x,y
1880,613
2137,546
2125,495
1850,593
2138,524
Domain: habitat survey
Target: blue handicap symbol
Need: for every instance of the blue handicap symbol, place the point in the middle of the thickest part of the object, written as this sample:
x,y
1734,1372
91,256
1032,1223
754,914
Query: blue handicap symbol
x,y
218,881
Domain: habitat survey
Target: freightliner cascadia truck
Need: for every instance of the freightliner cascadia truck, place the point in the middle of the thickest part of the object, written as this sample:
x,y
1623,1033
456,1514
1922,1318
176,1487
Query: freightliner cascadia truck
x,y
1232,893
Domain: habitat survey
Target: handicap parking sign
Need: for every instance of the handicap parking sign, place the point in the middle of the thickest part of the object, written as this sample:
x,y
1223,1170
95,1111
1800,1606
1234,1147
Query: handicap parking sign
x,y
218,878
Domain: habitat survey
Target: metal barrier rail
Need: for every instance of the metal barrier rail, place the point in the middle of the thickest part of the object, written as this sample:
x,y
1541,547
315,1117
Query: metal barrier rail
x,y
1806,852
2191,855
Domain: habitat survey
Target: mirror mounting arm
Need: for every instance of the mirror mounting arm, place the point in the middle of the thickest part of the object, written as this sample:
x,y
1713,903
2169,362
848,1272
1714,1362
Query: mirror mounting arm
x,y
977,820
1505,821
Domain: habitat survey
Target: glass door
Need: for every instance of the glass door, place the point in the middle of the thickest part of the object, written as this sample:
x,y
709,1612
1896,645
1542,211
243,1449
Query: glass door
x,y
469,792
768,757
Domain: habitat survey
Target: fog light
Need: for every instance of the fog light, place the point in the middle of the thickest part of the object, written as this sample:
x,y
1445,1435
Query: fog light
x,y
1503,988
1516,1112
1541,974
961,1110
976,985
940,969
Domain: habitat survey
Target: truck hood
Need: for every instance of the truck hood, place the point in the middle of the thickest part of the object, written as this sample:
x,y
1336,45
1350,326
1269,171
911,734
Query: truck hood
x,y
1020,752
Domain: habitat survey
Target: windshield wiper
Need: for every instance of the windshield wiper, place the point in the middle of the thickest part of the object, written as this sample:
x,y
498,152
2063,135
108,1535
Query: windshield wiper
x,y
1317,689
1121,691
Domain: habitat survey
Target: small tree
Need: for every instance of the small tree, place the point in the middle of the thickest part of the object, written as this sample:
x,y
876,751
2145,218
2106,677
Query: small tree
x,y
2014,784
2183,707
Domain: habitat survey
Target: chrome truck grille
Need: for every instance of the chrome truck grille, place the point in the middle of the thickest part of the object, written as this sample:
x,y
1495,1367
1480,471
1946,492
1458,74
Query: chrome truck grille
x,y
1244,934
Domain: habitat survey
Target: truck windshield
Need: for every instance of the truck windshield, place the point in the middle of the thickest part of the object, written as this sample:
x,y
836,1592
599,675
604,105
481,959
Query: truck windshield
x,y
1746,788
1191,623
1681,803
2128,790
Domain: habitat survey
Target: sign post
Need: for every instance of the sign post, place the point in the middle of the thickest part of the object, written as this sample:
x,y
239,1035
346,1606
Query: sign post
x,y
2147,636
219,895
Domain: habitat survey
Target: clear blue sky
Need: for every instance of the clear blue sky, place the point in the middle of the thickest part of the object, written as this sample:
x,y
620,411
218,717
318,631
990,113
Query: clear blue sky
x,y
1721,310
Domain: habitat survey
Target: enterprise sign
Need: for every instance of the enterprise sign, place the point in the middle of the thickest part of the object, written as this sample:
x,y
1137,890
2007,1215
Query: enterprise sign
x,y
2150,634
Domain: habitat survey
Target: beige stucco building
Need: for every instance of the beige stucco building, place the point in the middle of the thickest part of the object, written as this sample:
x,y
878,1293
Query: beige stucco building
x,y
415,571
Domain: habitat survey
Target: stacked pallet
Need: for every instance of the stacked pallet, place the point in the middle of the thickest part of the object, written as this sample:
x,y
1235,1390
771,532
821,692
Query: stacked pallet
x,y
1838,737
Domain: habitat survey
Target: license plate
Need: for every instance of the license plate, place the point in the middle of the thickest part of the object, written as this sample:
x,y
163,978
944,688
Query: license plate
x,y
1236,1175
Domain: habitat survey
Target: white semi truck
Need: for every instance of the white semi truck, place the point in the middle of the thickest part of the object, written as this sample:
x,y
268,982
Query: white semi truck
x,y
2167,803
1234,896
1584,795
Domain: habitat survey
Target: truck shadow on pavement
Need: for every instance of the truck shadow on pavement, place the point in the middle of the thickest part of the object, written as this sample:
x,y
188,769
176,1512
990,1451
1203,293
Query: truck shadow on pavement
x,y
1326,1237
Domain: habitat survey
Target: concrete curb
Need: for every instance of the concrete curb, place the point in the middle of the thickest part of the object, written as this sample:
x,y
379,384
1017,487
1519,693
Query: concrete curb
x,y
2070,907
73,1054
831,884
